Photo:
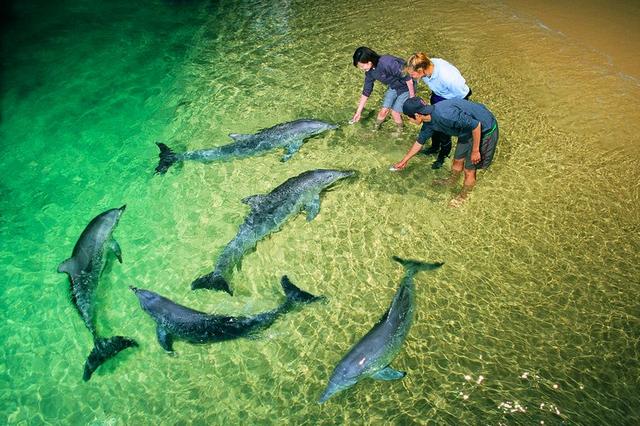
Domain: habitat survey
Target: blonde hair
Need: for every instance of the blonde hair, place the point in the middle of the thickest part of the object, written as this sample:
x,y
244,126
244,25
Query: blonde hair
x,y
417,62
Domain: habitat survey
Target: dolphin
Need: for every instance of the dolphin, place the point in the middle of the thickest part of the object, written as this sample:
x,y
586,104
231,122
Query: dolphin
x,y
268,213
84,268
177,321
290,136
371,356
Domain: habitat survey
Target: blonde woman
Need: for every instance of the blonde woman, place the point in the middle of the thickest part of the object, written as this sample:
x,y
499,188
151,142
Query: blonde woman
x,y
445,82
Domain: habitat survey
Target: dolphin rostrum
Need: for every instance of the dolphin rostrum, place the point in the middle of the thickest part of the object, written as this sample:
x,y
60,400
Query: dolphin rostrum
x,y
268,213
84,268
177,321
371,356
290,136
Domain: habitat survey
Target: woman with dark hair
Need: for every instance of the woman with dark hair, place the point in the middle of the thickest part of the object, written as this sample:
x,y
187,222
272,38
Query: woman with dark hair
x,y
388,70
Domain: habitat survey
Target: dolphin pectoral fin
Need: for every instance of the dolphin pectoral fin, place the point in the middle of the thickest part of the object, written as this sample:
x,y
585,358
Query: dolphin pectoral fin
x,y
165,339
313,208
291,149
239,136
389,373
116,249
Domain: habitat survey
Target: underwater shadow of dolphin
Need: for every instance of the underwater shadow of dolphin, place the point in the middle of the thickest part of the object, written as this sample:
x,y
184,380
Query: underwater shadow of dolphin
x,y
84,268
371,356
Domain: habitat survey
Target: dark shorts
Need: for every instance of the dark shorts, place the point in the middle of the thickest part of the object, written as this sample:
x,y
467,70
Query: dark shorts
x,y
488,144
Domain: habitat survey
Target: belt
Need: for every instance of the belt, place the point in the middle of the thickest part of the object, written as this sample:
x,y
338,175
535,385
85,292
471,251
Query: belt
x,y
493,129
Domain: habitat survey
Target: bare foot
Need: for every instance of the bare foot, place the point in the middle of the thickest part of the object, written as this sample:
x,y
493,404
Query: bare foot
x,y
457,201
462,197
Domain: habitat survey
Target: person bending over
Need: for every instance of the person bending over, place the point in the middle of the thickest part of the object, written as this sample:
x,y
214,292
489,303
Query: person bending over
x,y
474,125
445,82
388,70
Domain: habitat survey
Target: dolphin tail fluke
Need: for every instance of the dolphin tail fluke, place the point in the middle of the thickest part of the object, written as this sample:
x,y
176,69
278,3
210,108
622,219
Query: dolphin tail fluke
x,y
412,267
167,158
212,281
104,350
295,295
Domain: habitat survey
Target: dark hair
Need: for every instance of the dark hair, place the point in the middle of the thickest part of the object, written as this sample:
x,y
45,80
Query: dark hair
x,y
364,55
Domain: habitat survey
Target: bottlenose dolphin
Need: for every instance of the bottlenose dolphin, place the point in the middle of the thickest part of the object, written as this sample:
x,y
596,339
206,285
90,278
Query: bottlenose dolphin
x,y
84,268
371,356
268,213
290,135
177,321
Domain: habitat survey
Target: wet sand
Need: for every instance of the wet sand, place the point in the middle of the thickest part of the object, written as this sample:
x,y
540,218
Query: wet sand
x,y
611,28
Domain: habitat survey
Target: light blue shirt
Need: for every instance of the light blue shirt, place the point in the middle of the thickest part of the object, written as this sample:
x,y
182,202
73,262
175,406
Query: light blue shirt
x,y
446,81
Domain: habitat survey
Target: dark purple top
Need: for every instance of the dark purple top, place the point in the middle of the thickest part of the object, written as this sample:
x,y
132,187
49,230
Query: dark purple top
x,y
389,72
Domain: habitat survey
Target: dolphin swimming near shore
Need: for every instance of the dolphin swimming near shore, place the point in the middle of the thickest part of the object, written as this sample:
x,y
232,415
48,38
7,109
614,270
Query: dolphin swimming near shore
x,y
371,356
84,268
175,321
290,136
268,213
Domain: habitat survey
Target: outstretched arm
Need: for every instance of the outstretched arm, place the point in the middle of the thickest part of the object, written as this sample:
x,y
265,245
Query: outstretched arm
x,y
413,151
412,93
358,114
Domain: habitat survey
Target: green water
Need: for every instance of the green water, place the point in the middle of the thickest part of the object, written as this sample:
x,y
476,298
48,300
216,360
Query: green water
x,y
539,291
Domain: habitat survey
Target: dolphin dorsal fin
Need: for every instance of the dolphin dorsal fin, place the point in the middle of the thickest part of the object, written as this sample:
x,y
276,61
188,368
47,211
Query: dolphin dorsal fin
x,y
68,266
239,136
253,200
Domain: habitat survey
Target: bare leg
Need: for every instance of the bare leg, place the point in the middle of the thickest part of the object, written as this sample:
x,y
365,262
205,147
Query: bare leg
x,y
383,114
469,177
381,117
456,171
467,186
396,117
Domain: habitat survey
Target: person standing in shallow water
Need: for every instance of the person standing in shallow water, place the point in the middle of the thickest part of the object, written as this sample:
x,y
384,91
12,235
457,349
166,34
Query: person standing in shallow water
x,y
445,82
474,125
388,70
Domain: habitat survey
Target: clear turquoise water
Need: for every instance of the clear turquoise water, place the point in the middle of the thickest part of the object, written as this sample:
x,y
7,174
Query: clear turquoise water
x,y
538,294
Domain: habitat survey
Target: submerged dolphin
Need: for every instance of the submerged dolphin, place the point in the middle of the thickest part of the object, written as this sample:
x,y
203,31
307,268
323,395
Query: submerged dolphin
x,y
268,213
84,268
371,356
289,135
177,321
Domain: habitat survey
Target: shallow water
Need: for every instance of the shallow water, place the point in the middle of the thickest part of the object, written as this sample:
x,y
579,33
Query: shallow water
x,y
534,316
